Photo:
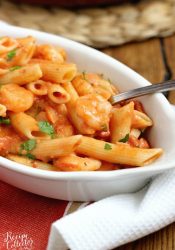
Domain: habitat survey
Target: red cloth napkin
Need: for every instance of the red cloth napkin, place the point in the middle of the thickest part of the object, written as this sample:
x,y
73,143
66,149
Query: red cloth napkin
x,y
25,218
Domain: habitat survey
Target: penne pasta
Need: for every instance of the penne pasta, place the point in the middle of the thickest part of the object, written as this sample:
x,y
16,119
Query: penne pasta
x,y
117,153
50,53
26,126
76,163
3,110
38,88
25,52
56,73
32,163
141,120
7,44
49,149
22,75
57,94
120,123
72,92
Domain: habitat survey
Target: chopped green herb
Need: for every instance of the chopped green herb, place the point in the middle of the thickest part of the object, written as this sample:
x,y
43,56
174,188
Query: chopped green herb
x,y
53,136
30,156
5,121
84,75
28,145
11,54
46,128
109,80
124,139
143,130
104,127
15,68
107,146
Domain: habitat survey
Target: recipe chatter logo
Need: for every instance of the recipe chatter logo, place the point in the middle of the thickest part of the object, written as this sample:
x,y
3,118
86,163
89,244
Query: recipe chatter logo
x,y
12,241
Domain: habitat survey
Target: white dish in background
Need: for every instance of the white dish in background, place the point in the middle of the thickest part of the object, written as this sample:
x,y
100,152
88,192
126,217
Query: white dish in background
x,y
88,186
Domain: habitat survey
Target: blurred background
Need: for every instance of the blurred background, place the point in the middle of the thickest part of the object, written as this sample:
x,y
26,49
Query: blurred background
x,y
98,23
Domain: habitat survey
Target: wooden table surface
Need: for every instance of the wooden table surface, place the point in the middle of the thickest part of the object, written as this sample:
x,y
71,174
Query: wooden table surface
x,y
155,60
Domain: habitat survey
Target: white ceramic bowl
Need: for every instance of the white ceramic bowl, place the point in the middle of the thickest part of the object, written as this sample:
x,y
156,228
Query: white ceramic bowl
x,y
88,186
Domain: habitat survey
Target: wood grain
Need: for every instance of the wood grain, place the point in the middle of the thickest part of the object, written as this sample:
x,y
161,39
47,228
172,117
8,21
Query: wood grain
x,y
144,57
169,44
152,61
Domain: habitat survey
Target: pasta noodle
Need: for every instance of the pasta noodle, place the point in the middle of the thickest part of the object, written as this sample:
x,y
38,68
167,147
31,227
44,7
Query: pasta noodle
x,y
38,88
121,121
57,94
49,149
117,153
22,75
51,53
3,110
76,163
55,72
141,120
26,125
32,163
54,118
7,44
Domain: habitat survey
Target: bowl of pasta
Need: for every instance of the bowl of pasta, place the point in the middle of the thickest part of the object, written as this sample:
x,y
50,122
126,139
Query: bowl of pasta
x,y
59,135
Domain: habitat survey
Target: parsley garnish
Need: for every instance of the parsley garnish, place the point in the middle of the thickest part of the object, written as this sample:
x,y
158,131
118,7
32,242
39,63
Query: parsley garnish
x,y
107,146
109,80
37,111
30,156
28,145
46,128
5,121
11,54
104,127
84,75
15,68
124,139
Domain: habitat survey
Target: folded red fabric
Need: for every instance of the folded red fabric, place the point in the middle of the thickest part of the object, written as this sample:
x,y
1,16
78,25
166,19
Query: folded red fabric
x,y
25,218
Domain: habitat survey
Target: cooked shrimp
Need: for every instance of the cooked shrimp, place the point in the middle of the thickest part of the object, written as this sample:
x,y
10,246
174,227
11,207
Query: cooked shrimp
x,y
94,110
16,98
139,143
9,140
88,83
75,163
108,166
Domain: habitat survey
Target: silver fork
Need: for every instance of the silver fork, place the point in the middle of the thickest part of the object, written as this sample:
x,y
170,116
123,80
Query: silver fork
x,y
155,88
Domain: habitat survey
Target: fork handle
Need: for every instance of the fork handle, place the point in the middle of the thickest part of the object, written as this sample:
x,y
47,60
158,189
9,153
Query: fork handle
x,y
159,87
